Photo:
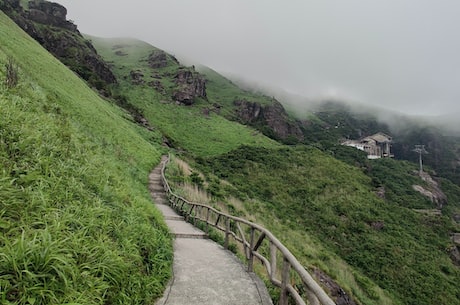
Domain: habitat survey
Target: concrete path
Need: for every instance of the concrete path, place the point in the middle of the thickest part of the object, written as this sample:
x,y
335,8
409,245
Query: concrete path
x,y
203,272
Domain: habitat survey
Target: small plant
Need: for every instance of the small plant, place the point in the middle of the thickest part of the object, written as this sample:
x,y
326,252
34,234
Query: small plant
x,y
12,75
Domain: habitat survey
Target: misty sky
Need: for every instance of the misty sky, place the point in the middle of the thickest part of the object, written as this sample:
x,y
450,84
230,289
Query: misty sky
x,y
398,54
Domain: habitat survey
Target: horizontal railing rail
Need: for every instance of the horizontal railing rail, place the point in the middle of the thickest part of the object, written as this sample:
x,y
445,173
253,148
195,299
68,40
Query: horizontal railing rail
x,y
282,268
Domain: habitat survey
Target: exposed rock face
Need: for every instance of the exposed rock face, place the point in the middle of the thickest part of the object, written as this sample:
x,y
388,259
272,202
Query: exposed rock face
x,y
455,255
456,218
432,191
156,84
49,13
272,116
158,59
378,225
61,38
137,77
338,294
381,192
190,85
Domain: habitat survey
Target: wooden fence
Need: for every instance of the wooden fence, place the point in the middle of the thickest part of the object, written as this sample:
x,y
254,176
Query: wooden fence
x,y
256,242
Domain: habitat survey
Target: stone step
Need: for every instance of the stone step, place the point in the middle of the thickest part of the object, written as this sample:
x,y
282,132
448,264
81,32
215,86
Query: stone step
x,y
174,217
190,236
182,229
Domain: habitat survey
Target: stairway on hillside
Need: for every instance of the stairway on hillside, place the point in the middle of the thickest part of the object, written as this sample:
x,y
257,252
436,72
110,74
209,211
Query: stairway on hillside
x,y
203,271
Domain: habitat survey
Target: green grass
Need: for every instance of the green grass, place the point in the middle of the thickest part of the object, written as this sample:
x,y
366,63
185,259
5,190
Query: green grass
x,y
224,92
77,224
302,194
306,194
187,128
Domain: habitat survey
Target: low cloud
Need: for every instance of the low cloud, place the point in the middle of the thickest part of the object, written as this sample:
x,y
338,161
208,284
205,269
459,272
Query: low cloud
x,y
396,54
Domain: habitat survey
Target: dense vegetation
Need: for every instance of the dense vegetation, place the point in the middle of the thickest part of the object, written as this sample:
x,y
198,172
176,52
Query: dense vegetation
x,y
402,251
336,121
76,222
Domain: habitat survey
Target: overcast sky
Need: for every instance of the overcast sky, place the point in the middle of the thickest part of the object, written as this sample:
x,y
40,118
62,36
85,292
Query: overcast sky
x,y
399,54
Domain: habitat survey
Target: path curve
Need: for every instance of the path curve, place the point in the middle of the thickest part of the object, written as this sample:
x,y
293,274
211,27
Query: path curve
x,y
203,271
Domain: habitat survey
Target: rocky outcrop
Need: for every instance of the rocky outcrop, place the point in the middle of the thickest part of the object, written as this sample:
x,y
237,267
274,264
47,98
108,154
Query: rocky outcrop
x,y
432,191
49,13
339,295
454,253
137,77
271,119
46,22
157,85
9,6
190,85
158,59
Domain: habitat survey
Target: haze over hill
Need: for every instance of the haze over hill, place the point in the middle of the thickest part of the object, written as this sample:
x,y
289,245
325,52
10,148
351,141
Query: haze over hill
x,y
374,226
396,54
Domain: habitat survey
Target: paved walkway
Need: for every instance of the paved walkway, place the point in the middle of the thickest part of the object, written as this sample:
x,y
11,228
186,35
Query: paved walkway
x,y
203,272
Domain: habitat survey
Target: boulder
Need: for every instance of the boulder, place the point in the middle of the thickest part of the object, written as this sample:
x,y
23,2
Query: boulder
x,y
46,23
272,116
137,77
432,191
49,13
339,295
157,59
190,85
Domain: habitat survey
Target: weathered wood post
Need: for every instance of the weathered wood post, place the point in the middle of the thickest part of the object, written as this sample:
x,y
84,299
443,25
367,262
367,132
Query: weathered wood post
x,y
285,278
227,232
251,249
207,221
273,267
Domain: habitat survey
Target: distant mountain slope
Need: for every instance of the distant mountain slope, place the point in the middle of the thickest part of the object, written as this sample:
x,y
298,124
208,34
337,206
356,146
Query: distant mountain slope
x,y
152,81
76,221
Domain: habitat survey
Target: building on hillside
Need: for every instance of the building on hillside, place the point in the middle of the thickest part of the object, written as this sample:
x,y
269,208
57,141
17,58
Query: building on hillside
x,y
376,146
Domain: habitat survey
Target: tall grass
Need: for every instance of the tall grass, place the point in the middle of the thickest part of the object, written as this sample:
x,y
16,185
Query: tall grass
x,y
402,259
76,221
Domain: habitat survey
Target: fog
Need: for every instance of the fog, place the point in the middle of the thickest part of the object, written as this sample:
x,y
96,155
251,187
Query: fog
x,y
402,55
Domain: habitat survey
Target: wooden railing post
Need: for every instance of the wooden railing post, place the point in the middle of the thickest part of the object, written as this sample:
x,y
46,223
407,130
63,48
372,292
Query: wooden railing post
x,y
227,232
272,260
207,221
251,249
285,278
314,292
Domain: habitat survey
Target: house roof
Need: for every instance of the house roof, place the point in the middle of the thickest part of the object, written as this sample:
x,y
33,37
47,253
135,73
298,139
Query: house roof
x,y
381,137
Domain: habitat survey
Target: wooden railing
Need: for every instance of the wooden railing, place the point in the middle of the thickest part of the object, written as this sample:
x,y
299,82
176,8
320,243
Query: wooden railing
x,y
283,269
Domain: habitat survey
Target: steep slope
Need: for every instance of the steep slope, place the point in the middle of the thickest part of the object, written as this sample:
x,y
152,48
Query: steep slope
x,y
46,22
370,245
152,81
323,209
77,225
255,109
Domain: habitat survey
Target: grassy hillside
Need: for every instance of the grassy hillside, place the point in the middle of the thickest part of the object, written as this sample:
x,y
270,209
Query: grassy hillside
x,y
77,225
379,251
386,243
199,129
225,92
